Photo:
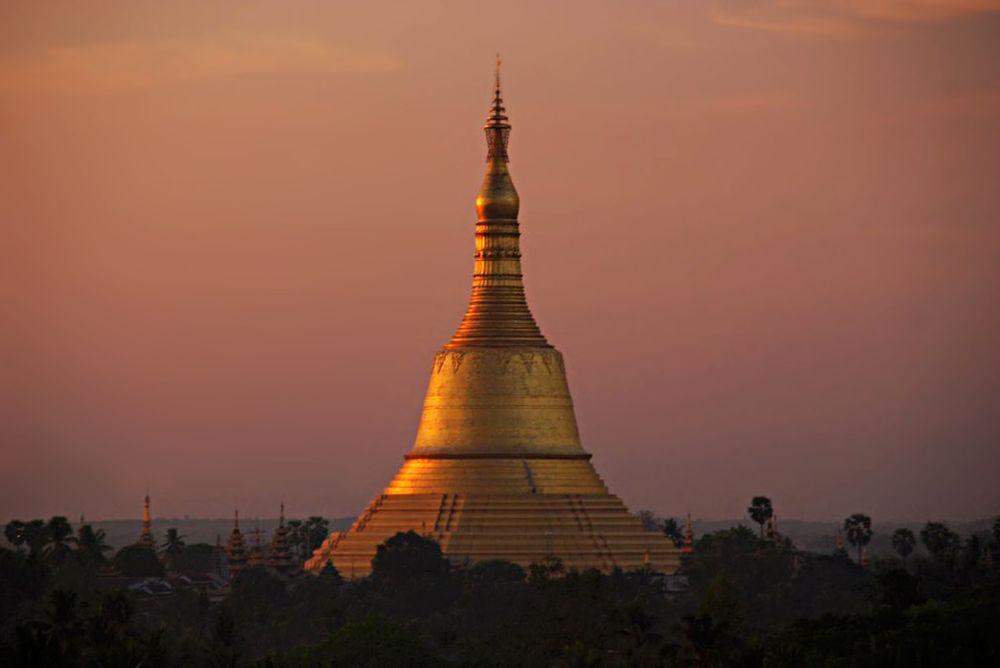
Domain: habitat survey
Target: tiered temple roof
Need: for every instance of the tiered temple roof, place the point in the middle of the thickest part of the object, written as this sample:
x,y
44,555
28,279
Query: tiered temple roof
x,y
236,551
280,556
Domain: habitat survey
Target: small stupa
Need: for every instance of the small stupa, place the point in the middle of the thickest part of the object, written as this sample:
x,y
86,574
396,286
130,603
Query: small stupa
x,y
236,551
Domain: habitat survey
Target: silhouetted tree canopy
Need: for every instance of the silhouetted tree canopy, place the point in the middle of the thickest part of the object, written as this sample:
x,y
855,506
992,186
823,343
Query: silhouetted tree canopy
x,y
858,530
903,541
406,557
760,511
138,561
940,541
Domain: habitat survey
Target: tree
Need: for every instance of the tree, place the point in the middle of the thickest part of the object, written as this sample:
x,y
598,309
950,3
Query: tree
x,y
174,542
317,529
138,561
903,541
14,533
59,535
940,541
91,544
996,531
858,530
408,556
194,558
671,528
760,511
368,643
649,520
36,536
297,538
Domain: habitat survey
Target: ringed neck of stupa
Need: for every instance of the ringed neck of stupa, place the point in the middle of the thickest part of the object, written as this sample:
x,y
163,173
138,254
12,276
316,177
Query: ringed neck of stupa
x,y
497,388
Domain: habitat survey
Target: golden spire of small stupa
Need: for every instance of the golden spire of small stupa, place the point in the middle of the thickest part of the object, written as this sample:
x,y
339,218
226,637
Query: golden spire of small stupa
x,y
236,553
280,557
146,537
688,535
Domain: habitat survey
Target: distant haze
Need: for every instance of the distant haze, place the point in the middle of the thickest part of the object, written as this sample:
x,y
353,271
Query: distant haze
x,y
765,236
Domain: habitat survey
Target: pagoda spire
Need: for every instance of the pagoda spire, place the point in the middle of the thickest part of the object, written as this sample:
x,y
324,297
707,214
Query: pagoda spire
x,y
236,553
280,556
146,537
688,535
498,313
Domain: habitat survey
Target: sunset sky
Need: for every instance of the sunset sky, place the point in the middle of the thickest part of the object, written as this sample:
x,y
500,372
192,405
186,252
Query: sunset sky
x,y
765,236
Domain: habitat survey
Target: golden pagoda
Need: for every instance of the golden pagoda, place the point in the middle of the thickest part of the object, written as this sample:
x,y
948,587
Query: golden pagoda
x,y
497,470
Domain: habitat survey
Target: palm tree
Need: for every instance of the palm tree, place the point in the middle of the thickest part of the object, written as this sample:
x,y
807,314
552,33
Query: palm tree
x,y
317,529
941,542
14,532
91,543
858,529
60,537
760,511
296,537
903,541
174,542
34,534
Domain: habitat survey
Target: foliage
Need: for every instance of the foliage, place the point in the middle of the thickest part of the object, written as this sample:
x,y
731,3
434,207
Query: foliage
x,y
174,543
138,561
372,642
760,511
858,530
33,534
669,526
194,558
91,544
751,602
59,538
316,530
406,557
903,541
940,541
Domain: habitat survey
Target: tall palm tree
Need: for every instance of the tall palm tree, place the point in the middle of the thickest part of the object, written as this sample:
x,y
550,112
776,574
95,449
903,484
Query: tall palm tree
x,y
941,542
92,544
903,541
760,511
174,542
858,529
60,537
317,529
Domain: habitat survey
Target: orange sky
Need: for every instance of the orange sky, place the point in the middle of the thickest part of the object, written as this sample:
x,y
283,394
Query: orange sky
x,y
764,236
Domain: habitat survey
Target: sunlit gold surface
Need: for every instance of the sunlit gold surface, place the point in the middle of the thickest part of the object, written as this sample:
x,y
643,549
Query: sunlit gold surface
x,y
497,470
502,401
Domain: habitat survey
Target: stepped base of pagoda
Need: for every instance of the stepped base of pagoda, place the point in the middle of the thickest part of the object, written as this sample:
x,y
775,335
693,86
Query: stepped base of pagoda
x,y
518,510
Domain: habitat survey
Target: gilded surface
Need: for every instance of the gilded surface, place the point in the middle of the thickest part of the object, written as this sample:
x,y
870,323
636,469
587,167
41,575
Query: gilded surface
x,y
498,400
497,470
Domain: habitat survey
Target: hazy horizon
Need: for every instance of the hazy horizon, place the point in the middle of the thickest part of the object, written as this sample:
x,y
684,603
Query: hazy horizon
x,y
764,237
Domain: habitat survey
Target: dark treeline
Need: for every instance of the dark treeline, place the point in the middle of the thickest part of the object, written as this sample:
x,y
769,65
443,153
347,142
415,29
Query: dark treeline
x,y
751,599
